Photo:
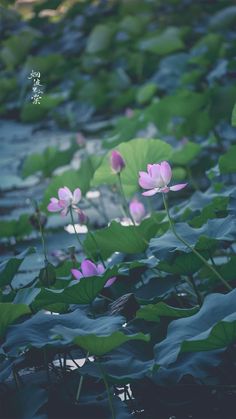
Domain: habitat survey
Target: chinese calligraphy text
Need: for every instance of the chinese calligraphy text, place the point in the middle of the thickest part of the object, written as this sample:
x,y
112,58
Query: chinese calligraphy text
x,y
37,87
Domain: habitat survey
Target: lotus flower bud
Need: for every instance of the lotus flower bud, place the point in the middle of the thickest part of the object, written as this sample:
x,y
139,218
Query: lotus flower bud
x,y
137,210
117,162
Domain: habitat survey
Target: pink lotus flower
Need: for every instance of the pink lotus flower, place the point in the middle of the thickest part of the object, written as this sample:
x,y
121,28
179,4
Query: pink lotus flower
x,y
157,179
89,268
137,210
117,162
66,200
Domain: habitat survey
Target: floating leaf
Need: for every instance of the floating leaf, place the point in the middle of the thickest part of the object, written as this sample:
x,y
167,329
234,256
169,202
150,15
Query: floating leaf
x,y
125,365
51,66
233,120
183,264
84,292
97,345
126,239
7,88
33,113
99,39
163,43
227,162
203,238
186,154
132,24
96,335
145,93
220,336
10,267
15,228
9,313
216,308
48,161
23,335
153,312
11,54
223,19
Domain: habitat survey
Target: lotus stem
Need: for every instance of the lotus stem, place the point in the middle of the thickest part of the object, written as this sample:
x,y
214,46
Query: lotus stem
x,y
107,390
216,273
73,223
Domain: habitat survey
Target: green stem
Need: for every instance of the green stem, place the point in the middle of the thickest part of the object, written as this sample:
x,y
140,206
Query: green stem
x,y
16,379
103,207
92,237
79,389
97,247
125,203
43,240
37,213
195,288
212,260
64,361
72,256
46,365
103,213
43,245
80,383
73,223
107,390
192,248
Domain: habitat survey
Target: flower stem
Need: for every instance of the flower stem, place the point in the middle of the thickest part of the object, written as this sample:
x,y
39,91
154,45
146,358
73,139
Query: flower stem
x,y
81,244
73,223
46,262
80,383
103,207
97,247
107,390
125,203
91,235
79,389
42,239
192,248
37,214
195,288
